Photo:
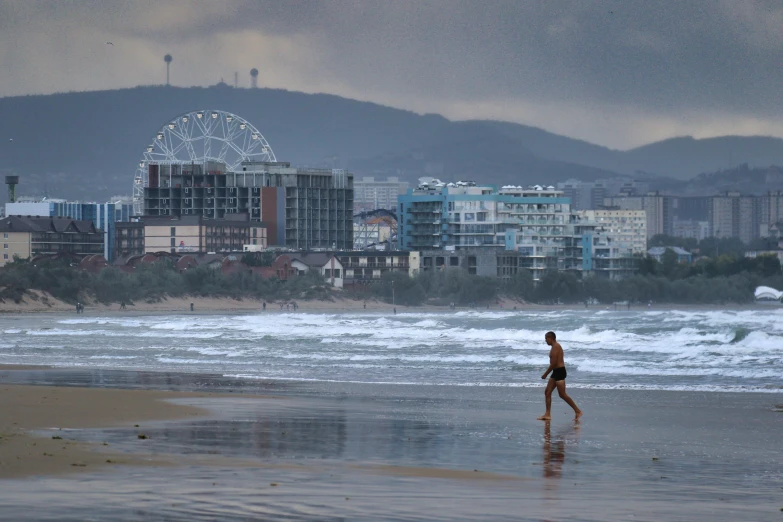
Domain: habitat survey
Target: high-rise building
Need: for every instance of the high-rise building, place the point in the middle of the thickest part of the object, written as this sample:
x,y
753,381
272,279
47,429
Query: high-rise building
x,y
301,208
659,209
585,195
371,194
692,208
734,215
770,212
627,227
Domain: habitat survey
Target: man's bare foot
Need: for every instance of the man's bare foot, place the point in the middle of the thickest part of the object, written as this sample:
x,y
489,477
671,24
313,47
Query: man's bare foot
x,y
544,418
578,414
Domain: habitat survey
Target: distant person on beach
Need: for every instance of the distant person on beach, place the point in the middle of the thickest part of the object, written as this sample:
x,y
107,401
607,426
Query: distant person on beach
x,y
264,306
557,367
191,307
122,305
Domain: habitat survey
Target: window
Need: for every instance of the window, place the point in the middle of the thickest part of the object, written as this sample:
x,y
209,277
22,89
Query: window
x,y
173,231
5,246
173,242
5,235
5,256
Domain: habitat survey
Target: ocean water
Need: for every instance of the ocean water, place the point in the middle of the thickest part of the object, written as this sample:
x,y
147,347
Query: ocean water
x,y
699,350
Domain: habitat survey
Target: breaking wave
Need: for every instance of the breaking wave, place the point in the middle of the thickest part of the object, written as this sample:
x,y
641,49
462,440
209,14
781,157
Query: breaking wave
x,y
708,350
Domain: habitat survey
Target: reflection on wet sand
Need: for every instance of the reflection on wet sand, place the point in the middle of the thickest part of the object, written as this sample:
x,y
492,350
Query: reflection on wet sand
x,y
555,448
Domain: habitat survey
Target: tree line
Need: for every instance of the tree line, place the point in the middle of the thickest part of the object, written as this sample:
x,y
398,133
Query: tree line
x,y
727,278
713,246
149,283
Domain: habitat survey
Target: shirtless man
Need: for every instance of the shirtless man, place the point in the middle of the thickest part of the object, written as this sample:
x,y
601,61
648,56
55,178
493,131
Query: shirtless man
x,y
557,367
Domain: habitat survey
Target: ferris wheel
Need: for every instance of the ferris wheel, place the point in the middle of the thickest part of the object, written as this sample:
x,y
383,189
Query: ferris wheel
x,y
197,137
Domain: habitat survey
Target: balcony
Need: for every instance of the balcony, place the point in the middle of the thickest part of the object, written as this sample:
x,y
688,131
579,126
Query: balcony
x,y
431,210
419,221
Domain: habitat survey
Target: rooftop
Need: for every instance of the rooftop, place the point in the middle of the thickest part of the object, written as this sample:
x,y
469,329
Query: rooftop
x,y
658,251
46,224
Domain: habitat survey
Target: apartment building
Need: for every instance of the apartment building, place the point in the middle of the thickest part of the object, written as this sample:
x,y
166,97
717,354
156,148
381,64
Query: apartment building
x,y
188,234
534,222
302,208
27,236
103,215
584,195
370,267
734,215
627,227
659,209
464,215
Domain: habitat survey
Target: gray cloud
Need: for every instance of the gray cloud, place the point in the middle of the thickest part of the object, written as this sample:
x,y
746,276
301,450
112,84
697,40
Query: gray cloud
x,y
615,72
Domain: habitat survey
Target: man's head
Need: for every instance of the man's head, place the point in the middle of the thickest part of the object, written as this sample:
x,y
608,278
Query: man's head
x,y
550,338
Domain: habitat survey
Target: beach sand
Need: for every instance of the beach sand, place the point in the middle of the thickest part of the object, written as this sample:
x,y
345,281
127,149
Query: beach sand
x,y
38,424
339,451
39,302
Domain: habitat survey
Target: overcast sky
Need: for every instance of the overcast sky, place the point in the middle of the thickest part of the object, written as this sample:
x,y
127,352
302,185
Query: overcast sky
x,y
618,73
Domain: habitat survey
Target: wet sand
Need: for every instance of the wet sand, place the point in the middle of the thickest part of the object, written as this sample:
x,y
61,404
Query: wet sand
x,y
334,451
38,425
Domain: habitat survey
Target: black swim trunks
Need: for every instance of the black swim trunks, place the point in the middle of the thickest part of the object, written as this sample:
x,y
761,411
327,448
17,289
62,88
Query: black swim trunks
x,y
559,374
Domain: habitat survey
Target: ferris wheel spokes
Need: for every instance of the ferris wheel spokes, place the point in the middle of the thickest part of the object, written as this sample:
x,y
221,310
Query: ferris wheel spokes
x,y
188,138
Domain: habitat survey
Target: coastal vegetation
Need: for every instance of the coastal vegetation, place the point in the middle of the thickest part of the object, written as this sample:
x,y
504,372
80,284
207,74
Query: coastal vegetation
x,y
150,283
727,278
723,279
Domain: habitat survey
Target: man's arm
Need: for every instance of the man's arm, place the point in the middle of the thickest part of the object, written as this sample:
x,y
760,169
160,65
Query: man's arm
x,y
551,363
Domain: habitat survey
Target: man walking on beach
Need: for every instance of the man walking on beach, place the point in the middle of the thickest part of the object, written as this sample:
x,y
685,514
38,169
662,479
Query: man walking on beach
x,y
557,367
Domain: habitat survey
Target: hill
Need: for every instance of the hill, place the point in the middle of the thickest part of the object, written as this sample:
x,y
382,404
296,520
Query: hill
x,y
87,144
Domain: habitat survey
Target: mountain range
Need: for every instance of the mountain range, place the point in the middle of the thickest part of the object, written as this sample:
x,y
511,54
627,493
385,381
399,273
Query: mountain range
x,y
86,145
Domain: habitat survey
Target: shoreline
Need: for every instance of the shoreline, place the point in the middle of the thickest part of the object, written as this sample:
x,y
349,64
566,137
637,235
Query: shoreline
x,y
213,305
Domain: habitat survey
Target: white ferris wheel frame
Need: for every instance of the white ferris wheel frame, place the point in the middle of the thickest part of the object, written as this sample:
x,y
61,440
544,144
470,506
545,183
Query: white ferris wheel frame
x,y
189,138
